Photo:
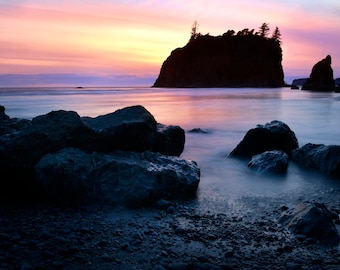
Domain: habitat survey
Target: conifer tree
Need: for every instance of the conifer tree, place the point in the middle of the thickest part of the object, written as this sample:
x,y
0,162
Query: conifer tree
x,y
264,30
277,35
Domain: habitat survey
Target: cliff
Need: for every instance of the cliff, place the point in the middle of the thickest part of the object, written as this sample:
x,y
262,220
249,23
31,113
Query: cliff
x,y
224,61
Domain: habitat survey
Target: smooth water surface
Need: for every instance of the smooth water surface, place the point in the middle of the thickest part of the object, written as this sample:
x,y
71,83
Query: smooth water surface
x,y
227,114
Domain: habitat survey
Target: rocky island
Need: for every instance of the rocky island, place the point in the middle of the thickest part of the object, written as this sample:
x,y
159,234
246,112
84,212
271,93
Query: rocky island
x,y
321,77
243,59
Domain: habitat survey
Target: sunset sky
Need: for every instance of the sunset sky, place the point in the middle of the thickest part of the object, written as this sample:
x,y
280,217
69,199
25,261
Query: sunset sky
x,y
122,42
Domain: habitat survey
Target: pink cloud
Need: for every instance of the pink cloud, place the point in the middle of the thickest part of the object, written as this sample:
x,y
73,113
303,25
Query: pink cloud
x,y
103,36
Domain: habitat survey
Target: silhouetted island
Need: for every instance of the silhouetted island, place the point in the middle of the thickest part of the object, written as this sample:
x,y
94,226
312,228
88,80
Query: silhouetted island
x,y
321,77
245,59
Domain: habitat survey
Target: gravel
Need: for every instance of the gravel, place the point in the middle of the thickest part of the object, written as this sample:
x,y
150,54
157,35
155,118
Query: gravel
x,y
177,237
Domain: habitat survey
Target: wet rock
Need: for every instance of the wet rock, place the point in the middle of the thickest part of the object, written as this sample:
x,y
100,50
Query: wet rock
x,y
275,161
199,130
163,204
311,220
324,158
169,140
23,142
275,135
135,179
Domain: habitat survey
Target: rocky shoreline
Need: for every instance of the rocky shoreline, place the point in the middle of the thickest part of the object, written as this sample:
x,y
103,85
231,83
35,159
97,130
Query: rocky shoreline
x,y
168,236
112,193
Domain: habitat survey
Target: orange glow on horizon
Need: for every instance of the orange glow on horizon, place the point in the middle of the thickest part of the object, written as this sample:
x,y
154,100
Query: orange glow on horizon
x,y
102,37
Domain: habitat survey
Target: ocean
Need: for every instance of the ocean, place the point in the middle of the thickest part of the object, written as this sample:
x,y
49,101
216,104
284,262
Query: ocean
x,y
226,114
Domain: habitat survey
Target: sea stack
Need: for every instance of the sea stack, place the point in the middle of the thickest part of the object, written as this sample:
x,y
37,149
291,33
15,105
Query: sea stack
x,y
245,59
321,77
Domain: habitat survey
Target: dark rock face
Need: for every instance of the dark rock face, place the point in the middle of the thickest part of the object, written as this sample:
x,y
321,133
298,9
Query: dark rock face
x,y
321,77
324,158
275,135
135,179
23,143
275,161
169,140
312,220
224,61
131,129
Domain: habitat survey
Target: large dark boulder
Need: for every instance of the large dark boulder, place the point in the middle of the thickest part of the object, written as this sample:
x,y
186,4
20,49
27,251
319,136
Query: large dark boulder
x,y
275,135
324,158
321,77
275,161
244,60
131,129
131,178
311,220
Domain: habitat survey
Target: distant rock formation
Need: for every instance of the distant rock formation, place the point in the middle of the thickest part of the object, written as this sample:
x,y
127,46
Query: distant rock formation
x,y
299,82
321,77
242,60
337,82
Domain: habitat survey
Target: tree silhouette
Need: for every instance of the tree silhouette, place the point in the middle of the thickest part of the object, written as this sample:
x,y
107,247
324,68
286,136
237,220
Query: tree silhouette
x,y
194,31
277,35
264,30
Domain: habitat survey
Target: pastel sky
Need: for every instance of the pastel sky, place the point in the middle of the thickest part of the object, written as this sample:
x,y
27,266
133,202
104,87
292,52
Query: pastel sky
x,y
109,39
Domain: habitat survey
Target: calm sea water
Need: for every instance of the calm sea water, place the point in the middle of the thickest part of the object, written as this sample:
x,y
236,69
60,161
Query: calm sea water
x,y
227,114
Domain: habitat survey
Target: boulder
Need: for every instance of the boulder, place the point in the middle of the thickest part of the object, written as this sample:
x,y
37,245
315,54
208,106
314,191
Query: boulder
x,y
135,129
131,129
324,158
275,135
275,161
321,77
169,140
131,178
311,220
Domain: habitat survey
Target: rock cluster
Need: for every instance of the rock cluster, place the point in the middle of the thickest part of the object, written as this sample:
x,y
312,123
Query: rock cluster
x,y
65,156
270,147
